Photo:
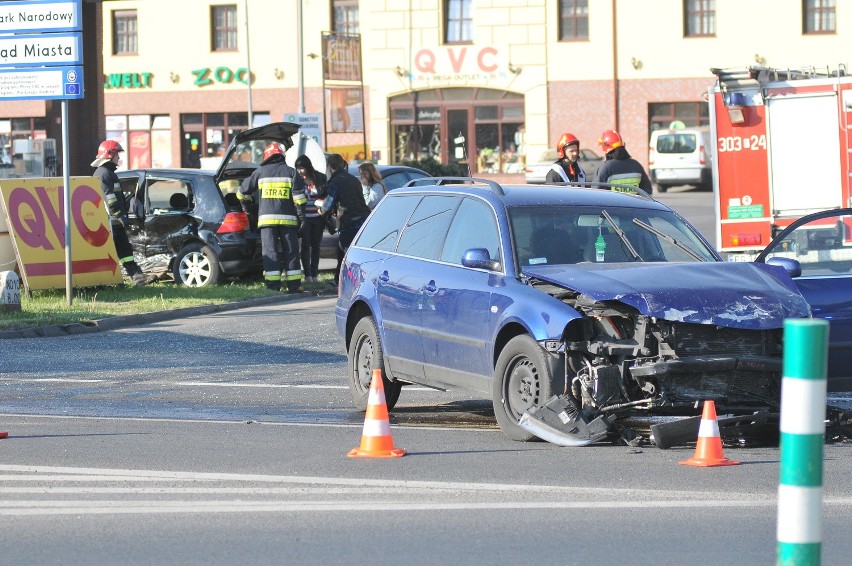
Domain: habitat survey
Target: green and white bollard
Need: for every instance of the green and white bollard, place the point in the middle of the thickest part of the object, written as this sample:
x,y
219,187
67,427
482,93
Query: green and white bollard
x,y
803,398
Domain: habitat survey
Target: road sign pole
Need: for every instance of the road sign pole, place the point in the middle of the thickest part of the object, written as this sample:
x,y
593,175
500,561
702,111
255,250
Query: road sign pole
x,y
66,185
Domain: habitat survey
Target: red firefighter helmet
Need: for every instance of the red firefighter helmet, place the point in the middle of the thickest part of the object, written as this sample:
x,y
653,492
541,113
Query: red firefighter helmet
x,y
272,150
109,149
566,140
610,140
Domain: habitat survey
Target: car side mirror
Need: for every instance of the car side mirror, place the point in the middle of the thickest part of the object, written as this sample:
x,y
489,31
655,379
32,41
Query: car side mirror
x,y
478,258
790,265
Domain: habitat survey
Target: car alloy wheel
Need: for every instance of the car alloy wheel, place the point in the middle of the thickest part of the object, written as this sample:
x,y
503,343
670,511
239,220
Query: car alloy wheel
x,y
196,265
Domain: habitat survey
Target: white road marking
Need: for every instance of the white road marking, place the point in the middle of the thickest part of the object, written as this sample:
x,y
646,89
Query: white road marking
x,y
359,494
282,385
52,380
259,385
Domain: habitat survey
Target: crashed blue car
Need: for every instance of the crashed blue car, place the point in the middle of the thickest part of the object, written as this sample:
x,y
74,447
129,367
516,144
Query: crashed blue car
x,y
569,307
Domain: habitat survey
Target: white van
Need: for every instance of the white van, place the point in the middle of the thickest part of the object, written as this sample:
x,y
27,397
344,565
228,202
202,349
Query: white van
x,y
681,157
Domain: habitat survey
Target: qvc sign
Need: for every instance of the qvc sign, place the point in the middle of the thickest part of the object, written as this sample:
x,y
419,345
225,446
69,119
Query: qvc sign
x,y
458,61
34,209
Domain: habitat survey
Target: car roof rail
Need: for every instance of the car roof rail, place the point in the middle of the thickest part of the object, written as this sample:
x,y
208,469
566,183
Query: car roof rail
x,y
631,190
440,181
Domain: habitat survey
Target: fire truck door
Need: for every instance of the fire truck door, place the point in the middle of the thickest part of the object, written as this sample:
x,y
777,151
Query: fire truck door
x,y
804,172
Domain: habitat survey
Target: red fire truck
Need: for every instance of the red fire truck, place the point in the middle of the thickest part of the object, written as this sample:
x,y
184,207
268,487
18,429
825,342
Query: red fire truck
x,y
782,151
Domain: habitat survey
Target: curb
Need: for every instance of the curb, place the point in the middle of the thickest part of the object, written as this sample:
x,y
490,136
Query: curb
x,y
114,322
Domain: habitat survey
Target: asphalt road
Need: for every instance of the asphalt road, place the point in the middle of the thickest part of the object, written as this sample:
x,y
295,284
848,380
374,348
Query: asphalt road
x,y
222,439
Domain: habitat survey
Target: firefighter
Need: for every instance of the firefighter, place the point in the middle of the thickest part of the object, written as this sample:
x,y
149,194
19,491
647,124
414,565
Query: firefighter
x,y
105,163
619,168
280,213
567,168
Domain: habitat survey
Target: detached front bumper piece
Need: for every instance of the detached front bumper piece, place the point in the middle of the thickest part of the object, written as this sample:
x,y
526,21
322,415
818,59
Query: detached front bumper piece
x,y
560,422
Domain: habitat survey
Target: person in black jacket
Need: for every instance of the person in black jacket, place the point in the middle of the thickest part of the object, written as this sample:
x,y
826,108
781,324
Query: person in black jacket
x,y
105,163
619,168
315,186
567,168
280,213
346,197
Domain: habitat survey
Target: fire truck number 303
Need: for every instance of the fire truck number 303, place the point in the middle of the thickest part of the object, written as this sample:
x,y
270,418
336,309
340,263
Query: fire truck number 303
x,y
737,143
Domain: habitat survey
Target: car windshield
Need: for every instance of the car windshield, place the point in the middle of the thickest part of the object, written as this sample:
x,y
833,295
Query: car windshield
x,y
572,234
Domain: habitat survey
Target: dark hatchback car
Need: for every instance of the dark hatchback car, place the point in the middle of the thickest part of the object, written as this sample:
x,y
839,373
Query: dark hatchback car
x,y
569,307
188,223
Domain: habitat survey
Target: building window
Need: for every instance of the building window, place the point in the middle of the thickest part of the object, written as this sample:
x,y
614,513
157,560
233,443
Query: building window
x,y
344,17
124,38
667,115
699,18
818,16
458,22
573,20
224,19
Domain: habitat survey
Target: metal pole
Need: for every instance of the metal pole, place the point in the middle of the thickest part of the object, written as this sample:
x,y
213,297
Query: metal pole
x,y
803,396
300,58
66,181
248,69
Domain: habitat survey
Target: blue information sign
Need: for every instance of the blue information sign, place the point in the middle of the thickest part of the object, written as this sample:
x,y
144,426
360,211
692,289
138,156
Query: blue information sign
x,y
42,83
40,16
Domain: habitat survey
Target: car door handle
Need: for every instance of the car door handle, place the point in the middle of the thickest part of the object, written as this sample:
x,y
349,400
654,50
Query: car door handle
x,y
384,277
431,288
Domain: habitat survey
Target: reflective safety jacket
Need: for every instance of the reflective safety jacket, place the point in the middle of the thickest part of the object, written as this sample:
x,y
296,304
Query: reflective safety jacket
x,y
278,204
623,170
111,187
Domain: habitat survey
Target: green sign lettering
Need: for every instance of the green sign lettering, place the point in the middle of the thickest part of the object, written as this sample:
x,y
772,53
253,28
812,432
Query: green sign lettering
x,y
128,80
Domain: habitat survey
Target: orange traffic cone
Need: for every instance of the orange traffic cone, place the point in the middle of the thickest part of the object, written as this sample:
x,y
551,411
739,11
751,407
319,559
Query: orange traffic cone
x,y
376,440
708,450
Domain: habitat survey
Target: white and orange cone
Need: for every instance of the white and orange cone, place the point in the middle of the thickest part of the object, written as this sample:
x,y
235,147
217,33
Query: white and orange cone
x,y
708,450
376,440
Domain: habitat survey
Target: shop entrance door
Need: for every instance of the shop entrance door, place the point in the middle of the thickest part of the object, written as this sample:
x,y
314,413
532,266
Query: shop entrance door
x,y
457,128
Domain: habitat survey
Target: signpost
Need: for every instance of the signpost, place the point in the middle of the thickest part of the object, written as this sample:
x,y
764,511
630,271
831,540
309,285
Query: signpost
x,y
41,43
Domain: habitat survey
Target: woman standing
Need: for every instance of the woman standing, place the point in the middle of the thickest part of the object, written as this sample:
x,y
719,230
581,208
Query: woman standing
x,y
372,184
314,184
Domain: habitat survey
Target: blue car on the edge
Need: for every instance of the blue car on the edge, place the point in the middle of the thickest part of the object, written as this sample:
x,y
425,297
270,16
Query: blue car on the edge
x,y
567,306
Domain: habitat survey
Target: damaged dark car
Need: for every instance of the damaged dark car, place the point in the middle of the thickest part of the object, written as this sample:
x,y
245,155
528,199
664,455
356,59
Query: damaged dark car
x,y
571,308
187,224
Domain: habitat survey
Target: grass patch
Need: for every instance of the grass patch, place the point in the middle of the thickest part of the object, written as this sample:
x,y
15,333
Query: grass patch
x,y
48,307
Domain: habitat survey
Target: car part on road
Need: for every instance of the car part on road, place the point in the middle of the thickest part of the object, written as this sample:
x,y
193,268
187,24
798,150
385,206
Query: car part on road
x,y
196,265
365,356
561,422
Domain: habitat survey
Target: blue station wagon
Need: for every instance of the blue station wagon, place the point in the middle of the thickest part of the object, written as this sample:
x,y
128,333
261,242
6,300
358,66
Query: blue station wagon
x,y
567,306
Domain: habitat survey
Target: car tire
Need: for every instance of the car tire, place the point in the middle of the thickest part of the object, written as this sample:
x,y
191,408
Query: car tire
x,y
366,354
523,378
658,188
196,265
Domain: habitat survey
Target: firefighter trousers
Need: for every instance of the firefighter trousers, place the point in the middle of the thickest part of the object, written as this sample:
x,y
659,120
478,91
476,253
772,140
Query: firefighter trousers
x,y
281,257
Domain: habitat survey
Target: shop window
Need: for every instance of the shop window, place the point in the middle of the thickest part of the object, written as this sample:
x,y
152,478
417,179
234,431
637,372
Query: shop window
x,y
224,27
344,17
699,18
818,16
486,112
573,20
124,35
206,137
458,21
